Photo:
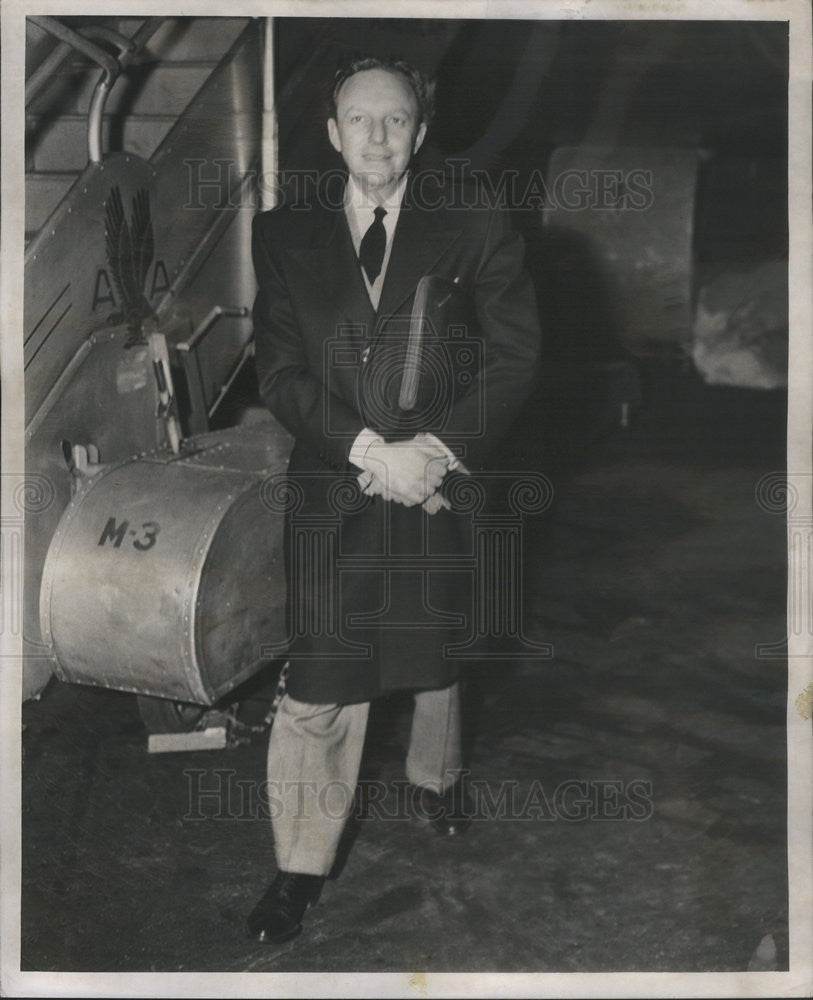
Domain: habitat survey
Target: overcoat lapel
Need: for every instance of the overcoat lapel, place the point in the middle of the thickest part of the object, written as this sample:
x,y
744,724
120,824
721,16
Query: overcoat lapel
x,y
420,241
332,261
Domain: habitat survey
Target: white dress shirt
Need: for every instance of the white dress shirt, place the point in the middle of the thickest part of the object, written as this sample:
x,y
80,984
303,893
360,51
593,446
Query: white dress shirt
x,y
359,210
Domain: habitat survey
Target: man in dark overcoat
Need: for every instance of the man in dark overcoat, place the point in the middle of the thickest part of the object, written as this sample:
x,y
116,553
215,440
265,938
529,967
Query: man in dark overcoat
x,y
372,479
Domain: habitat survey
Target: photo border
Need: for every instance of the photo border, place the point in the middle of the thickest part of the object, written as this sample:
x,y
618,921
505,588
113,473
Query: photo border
x,y
798,981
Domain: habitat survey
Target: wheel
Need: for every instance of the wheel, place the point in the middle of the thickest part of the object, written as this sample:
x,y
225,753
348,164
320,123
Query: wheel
x,y
160,715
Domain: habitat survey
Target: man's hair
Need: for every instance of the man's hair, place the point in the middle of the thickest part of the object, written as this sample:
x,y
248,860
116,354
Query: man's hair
x,y
421,84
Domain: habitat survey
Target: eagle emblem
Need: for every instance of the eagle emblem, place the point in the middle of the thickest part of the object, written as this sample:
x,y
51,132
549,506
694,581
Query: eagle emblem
x,y
130,249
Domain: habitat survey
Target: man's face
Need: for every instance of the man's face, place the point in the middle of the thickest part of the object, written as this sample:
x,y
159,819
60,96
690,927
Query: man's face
x,y
376,129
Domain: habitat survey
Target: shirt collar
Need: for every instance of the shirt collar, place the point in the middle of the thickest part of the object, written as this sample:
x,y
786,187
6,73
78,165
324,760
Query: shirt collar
x,y
358,203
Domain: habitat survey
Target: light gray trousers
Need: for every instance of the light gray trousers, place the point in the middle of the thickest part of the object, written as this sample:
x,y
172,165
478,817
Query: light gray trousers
x,y
314,755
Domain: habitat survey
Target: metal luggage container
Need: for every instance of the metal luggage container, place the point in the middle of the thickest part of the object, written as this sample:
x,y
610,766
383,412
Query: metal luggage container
x,y
166,577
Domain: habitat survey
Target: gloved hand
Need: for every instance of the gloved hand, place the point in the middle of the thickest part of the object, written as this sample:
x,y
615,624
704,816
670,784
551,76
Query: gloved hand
x,y
407,471
372,486
435,503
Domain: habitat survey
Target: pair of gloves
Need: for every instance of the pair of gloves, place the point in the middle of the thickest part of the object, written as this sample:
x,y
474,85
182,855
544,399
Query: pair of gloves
x,y
407,472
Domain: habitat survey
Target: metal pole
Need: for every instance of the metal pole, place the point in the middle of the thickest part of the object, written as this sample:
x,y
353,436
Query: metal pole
x,y
269,151
96,116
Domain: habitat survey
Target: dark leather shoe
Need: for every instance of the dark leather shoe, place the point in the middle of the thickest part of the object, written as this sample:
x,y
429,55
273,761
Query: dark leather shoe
x,y
449,814
278,915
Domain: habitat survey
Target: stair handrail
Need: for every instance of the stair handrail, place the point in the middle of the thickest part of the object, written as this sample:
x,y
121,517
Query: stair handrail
x,y
111,65
74,40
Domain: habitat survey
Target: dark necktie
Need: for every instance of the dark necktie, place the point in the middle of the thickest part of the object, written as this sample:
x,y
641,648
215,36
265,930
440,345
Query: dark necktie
x,y
371,251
